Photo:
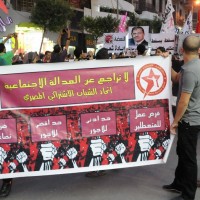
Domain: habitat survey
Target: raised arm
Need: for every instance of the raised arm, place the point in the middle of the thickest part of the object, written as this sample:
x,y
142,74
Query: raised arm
x,y
68,39
174,76
16,43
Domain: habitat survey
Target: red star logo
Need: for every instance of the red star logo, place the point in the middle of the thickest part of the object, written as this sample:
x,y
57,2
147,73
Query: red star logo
x,y
152,80
3,7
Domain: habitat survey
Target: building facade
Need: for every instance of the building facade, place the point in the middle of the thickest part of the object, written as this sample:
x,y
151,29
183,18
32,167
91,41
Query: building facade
x,y
144,9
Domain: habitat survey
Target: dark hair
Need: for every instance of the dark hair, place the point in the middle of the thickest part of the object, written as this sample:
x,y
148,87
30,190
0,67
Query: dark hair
x,y
102,54
161,49
31,56
56,48
77,52
64,31
141,49
2,47
46,52
137,27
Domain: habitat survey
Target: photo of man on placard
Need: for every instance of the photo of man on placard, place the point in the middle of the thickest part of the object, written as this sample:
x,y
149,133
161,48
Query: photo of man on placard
x,y
138,36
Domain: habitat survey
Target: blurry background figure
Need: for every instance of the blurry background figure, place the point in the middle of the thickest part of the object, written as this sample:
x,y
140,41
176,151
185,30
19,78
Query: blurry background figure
x,y
31,57
59,55
160,51
62,38
78,53
8,55
141,50
16,60
102,54
47,57
90,55
121,55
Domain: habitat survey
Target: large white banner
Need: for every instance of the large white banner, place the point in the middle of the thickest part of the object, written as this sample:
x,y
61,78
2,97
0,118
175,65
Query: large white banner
x,y
84,116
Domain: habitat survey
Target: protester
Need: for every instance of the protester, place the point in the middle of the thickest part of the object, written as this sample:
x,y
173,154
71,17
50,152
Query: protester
x,y
159,51
90,55
187,120
141,50
63,37
59,55
16,60
137,34
78,54
47,57
7,56
31,57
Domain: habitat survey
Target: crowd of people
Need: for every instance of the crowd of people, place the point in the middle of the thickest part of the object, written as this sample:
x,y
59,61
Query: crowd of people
x,y
60,54
186,112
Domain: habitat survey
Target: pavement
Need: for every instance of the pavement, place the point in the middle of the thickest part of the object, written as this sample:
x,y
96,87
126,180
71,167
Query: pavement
x,y
136,183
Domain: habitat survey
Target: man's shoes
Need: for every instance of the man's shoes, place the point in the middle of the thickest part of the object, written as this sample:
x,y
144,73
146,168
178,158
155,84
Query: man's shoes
x,y
5,189
198,183
172,187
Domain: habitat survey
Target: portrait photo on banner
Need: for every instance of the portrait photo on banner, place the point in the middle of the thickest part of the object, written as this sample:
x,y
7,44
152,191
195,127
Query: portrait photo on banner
x,y
138,35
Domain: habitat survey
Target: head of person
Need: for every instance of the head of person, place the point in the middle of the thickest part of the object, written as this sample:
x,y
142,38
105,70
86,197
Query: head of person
x,y
16,60
47,55
31,57
137,34
191,45
2,48
63,31
141,49
90,55
160,51
78,52
102,54
57,48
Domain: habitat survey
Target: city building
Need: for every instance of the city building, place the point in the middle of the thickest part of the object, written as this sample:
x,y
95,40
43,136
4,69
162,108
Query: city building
x,y
19,10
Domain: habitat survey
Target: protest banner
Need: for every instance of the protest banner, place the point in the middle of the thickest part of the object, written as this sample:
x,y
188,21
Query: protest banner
x,y
162,40
115,42
84,116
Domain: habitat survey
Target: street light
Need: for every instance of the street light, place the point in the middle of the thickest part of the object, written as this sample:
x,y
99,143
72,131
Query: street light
x,y
197,2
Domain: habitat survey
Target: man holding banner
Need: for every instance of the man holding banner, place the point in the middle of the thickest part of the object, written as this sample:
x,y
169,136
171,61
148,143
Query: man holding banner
x,y
187,120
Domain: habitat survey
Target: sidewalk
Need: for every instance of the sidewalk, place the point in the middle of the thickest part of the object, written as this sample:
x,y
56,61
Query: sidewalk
x,y
138,183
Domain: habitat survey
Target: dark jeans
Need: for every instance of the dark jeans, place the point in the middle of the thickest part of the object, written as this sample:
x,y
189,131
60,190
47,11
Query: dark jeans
x,y
6,181
186,171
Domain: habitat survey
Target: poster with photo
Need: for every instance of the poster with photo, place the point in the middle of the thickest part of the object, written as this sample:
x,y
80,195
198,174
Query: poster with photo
x,y
138,35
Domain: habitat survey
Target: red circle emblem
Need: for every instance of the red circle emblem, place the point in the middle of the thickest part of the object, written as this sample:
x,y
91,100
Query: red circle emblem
x,y
151,80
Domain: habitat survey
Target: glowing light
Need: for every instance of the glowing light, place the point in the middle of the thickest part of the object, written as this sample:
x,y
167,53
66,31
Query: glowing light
x,y
197,2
